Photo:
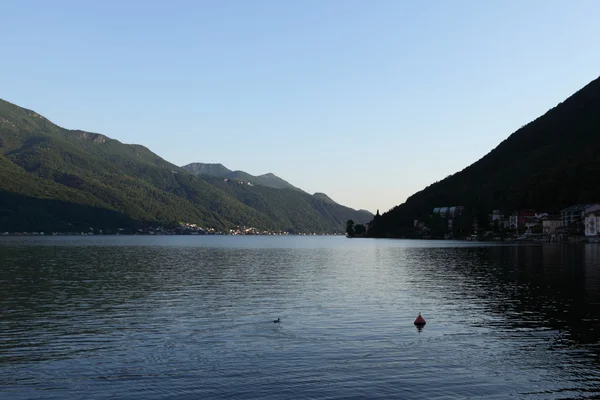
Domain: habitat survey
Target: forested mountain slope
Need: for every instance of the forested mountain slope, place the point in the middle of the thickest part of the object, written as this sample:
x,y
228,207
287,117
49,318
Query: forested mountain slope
x,y
550,163
57,179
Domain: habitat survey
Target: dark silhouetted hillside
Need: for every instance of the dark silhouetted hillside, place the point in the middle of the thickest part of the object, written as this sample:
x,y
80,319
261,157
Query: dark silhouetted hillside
x,y
548,164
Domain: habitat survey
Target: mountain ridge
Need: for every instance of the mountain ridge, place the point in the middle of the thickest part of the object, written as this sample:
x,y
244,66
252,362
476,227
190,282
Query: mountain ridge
x,y
75,180
269,179
547,164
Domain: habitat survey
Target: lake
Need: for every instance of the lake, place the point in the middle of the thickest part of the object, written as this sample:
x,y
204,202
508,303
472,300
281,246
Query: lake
x,y
190,317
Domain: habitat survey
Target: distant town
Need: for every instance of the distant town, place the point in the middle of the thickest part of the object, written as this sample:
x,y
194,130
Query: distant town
x,y
579,222
182,229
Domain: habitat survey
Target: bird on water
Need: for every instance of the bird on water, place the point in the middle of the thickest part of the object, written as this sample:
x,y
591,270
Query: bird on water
x,y
276,321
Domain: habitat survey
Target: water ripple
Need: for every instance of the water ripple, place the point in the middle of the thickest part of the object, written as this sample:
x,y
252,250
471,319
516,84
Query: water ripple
x,y
191,317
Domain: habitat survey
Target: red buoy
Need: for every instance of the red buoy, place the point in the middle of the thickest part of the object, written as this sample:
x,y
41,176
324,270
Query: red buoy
x,y
420,321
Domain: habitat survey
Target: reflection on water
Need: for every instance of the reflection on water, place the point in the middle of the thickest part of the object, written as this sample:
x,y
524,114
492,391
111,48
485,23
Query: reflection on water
x,y
192,317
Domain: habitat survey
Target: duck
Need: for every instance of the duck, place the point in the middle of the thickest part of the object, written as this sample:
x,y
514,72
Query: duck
x,y
277,321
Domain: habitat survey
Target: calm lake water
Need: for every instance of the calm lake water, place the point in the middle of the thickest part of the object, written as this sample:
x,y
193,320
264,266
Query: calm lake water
x,y
191,317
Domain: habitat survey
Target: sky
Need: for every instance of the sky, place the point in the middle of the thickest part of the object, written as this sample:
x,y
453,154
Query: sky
x,y
367,101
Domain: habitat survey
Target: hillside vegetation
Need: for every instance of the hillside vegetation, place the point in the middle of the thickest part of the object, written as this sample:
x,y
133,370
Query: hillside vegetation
x,y
293,210
65,180
219,170
550,163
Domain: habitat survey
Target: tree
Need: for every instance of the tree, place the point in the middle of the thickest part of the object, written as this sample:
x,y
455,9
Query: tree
x,y
438,226
360,229
496,226
350,228
483,221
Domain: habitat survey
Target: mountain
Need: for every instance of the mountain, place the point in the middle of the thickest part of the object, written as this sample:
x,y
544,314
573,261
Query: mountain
x,y
269,179
550,163
290,208
360,216
274,181
323,197
207,169
54,179
287,205
48,163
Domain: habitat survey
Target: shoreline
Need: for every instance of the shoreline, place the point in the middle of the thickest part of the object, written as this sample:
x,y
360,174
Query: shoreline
x,y
163,234
577,239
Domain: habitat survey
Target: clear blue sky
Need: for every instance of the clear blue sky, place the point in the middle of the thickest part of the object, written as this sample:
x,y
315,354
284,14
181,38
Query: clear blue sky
x,y
367,101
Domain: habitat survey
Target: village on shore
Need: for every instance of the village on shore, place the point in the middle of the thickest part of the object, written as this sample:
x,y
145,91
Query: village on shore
x,y
579,222
182,229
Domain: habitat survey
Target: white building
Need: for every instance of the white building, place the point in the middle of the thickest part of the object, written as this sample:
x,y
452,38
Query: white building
x,y
575,214
513,221
592,223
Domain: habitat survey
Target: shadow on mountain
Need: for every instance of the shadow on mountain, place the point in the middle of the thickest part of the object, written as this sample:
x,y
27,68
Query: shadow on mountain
x,y
20,213
548,164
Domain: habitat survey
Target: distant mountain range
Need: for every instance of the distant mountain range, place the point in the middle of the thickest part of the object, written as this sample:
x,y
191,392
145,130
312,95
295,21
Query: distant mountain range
x,y
550,163
54,179
278,199
219,170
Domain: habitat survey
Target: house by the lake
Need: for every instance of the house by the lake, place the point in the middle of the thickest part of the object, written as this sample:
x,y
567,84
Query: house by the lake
x,y
550,224
575,214
592,223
